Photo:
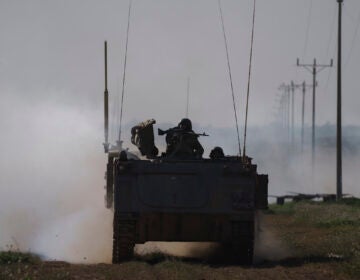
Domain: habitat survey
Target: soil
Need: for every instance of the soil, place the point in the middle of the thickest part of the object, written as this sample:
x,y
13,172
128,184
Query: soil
x,y
276,260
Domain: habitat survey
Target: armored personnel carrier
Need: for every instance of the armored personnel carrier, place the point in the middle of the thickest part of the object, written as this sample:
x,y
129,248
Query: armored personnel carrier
x,y
181,196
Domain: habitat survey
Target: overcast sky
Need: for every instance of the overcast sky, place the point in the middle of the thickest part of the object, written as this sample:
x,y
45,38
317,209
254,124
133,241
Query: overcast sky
x,y
53,51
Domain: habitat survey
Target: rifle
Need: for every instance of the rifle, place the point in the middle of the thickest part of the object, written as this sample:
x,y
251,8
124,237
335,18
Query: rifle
x,y
170,130
163,132
202,134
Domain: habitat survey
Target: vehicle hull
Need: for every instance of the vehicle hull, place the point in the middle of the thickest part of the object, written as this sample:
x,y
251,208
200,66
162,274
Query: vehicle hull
x,y
190,201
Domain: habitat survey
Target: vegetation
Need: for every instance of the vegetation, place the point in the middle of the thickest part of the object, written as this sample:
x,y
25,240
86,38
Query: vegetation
x,y
10,257
322,242
328,230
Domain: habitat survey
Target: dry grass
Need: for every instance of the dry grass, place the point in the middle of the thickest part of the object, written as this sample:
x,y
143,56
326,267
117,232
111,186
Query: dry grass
x,y
324,230
11,257
323,238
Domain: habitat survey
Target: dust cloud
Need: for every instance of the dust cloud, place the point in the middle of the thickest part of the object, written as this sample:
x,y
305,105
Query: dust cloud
x,y
52,178
290,169
268,245
51,184
199,250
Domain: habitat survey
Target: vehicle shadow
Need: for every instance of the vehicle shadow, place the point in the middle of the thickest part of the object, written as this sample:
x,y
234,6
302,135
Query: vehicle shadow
x,y
220,261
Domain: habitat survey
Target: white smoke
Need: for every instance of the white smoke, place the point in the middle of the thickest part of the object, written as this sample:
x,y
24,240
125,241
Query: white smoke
x,y
51,184
52,177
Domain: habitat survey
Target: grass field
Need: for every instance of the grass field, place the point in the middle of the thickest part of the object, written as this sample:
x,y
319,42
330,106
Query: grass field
x,y
323,230
321,241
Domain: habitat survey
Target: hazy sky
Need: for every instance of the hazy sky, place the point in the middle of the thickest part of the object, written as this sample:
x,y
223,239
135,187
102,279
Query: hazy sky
x,y
53,51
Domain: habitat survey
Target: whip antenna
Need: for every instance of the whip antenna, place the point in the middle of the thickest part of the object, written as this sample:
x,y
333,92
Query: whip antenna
x,y
106,103
187,96
229,69
124,72
249,78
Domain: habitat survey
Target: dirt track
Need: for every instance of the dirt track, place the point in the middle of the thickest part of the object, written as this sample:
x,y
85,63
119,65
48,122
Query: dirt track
x,y
292,265
295,269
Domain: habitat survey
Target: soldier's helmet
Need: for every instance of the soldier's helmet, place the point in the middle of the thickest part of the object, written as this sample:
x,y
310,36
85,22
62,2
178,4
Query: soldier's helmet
x,y
217,153
185,124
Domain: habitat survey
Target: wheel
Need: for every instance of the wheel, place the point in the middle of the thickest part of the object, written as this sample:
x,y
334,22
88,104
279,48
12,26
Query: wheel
x,y
123,240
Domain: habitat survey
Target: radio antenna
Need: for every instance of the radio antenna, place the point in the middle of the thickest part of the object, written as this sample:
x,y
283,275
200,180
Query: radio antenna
x,y
124,72
230,77
106,104
249,78
187,97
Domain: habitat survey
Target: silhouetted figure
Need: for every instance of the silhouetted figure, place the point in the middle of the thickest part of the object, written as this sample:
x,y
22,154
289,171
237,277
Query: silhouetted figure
x,y
217,153
182,142
142,136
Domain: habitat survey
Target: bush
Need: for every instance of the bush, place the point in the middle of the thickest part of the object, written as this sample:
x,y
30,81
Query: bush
x,y
8,257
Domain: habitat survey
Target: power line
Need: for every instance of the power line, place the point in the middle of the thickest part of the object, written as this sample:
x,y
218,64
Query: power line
x,y
307,28
349,14
353,41
331,33
329,73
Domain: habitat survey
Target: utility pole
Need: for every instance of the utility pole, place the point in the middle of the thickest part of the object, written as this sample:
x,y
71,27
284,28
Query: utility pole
x,y
338,126
304,86
293,88
288,112
290,88
313,69
285,110
303,115
286,94
281,110
292,85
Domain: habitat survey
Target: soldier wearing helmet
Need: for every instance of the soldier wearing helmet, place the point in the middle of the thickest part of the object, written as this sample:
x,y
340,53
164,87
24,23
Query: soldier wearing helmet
x,y
185,124
182,141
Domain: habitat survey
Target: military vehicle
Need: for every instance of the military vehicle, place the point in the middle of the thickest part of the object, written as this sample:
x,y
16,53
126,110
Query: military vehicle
x,y
180,195
183,198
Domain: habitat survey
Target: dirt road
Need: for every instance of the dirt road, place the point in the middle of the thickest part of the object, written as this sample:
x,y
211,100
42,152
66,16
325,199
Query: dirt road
x,y
292,269
302,250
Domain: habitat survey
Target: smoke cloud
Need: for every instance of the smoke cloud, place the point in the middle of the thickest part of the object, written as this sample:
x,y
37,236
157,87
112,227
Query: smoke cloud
x,y
51,186
52,178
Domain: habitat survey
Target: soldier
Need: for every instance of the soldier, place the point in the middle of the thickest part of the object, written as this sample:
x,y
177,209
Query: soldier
x,y
217,153
142,136
182,141
185,124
